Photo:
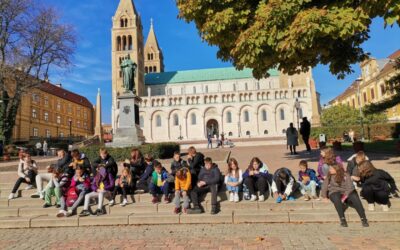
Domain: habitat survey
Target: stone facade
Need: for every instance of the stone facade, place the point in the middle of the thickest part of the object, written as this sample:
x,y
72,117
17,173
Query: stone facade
x,y
371,87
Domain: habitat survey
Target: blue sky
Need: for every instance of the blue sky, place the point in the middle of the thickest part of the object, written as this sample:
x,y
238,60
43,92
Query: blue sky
x,y
180,42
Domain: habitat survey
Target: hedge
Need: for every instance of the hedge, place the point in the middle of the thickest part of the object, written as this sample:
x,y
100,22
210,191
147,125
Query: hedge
x,y
389,130
158,150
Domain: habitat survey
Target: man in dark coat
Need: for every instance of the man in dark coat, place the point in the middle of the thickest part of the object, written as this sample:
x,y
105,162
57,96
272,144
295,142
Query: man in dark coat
x,y
305,130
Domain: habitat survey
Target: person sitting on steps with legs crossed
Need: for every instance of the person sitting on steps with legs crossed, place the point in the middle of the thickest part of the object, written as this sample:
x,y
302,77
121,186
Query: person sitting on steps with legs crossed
x,y
27,171
159,183
233,179
57,186
256,179
183,180
285,186
123,186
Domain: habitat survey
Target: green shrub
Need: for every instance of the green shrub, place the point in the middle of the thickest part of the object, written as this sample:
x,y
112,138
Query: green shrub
x,y
390,130
158,150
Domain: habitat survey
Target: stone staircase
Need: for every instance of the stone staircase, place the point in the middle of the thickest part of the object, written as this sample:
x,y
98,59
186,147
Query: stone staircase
x,y
25,212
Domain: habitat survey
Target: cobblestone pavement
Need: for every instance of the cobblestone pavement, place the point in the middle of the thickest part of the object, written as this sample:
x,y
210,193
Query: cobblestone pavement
x,y
239,236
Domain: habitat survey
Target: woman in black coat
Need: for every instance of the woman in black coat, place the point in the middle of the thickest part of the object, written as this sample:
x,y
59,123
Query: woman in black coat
x,y
376,185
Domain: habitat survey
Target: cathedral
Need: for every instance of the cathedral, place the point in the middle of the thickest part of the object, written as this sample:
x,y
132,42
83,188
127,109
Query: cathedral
x,y
189,105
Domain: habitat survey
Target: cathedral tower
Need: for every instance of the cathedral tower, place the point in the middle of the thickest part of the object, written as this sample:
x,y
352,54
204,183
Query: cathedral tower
x,y
153,56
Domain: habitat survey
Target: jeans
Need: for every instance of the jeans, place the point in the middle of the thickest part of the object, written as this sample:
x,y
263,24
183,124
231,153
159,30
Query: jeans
x,y
52,191
353,200
99,195
310,189
156,190
177,199
254,183
375,196
197,191
231,188
31,175
39,180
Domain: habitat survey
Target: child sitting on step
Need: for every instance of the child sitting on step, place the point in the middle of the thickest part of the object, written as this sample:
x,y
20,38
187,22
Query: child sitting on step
x,y
183,181
308,180
57,185
233,180
123,186
159,183
27,171
284,185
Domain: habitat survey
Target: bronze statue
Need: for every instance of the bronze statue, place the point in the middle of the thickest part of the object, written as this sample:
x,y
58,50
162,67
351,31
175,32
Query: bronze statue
x,y
128,68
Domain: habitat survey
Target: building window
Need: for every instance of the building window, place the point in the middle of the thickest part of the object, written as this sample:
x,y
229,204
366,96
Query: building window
x,y
265,132
246,87
354,103
158,121
35,132
176,120
193,119
206,89
282,114
61,135
194,90
85,125
230,134
58,119
372,94
46,101
229,117
246,116
154,69
248,133
264,115
383,90
34,113
85,114
146,70
78,124
78,111
141,121
48,135
46,116
35,98
258,85
283,131
365,97
69,108
58,105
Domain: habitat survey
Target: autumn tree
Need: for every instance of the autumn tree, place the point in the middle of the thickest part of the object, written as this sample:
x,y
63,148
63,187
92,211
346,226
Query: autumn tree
x,y
32,42
291,35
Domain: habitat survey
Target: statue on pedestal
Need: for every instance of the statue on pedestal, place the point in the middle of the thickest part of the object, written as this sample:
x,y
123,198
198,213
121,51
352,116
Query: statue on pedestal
x,y
128,68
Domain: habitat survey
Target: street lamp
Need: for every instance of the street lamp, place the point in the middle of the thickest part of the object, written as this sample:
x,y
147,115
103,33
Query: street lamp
x,y
359,80
70,131
297,106
180,133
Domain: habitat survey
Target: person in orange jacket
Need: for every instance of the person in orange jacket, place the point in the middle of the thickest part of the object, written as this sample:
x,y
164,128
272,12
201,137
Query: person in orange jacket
x,y
183,183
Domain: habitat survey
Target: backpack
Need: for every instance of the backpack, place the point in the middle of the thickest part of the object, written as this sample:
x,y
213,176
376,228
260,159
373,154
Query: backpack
x,y
72,196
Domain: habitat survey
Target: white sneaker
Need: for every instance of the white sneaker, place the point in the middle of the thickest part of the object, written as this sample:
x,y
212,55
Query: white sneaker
x,y
124,202
111,203
236,197
385,208
29,187
371,207
231,197
261,198
61,213
12,196
253,197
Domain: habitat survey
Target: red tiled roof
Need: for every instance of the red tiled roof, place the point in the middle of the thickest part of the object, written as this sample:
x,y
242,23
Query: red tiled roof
x,y
65,94
395,55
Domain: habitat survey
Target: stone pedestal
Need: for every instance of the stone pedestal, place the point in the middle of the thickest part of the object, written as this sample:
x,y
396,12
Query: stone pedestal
x,y
128,132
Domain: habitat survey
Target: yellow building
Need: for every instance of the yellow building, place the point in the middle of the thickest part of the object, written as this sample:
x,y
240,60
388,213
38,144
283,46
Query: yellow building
x,y
371,87
52,111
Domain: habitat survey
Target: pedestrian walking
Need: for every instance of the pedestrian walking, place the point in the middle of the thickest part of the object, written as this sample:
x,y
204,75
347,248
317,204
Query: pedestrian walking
x,y
305,130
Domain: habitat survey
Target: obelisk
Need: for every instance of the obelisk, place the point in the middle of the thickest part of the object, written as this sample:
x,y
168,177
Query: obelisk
x,y
98,129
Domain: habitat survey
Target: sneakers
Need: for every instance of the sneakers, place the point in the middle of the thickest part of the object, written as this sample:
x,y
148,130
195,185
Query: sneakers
x,y
35,195
111,203
253,197
261,198
364,223
177,210
84,213
236,197
154,200
385,208
166,200
231,197
46,205
29,187
61,213
290,198
343,222
371,207
100,212
124,203
306,197
70,213
195,210
279,199
12,196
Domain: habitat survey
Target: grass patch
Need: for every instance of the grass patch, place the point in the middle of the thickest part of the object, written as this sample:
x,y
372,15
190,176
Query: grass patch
x,y
387,147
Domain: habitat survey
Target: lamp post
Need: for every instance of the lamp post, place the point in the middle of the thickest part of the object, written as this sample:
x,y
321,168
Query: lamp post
x,y
180,133
239,127
70,131
359,80
297,106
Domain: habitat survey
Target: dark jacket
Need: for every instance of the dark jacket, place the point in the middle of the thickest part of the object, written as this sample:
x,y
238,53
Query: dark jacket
x,y
196,164
64,165
176,165
108,163
305,128
137,168
380,180
211,176
147,172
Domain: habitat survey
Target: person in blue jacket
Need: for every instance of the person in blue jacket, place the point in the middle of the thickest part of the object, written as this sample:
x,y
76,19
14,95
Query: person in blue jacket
x,y
308,180
256,179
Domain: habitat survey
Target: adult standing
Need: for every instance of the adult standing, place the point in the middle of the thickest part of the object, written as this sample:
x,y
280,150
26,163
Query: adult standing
x,y
209,141
45,148
292,139
305,130
222,139
38,147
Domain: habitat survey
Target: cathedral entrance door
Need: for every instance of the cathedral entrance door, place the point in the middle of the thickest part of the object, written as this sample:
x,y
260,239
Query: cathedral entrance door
x,y
212,128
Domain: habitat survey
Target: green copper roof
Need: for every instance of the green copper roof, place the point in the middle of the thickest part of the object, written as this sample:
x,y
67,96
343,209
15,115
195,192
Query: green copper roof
x,y
201,75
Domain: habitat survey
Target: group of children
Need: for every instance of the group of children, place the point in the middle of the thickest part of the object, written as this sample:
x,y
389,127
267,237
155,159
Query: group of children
x,y
75,181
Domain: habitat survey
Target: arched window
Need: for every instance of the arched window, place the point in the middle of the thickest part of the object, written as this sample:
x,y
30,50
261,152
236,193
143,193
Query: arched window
x,y
264,115
124,43
282,114
283,131
265,132
246,116
299,93
150,69
148,56
119,43
158,121
151,56
229,117
194,90
141,121
154,69
122,23
130,43
193,119
230,134
146,69
176,120
126,22
301,112
248,133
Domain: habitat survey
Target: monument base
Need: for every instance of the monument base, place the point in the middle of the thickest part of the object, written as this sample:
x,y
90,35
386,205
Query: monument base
x,y
128,132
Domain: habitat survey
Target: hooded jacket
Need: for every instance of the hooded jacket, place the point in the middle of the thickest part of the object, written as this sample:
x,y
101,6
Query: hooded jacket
x,y
104,177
